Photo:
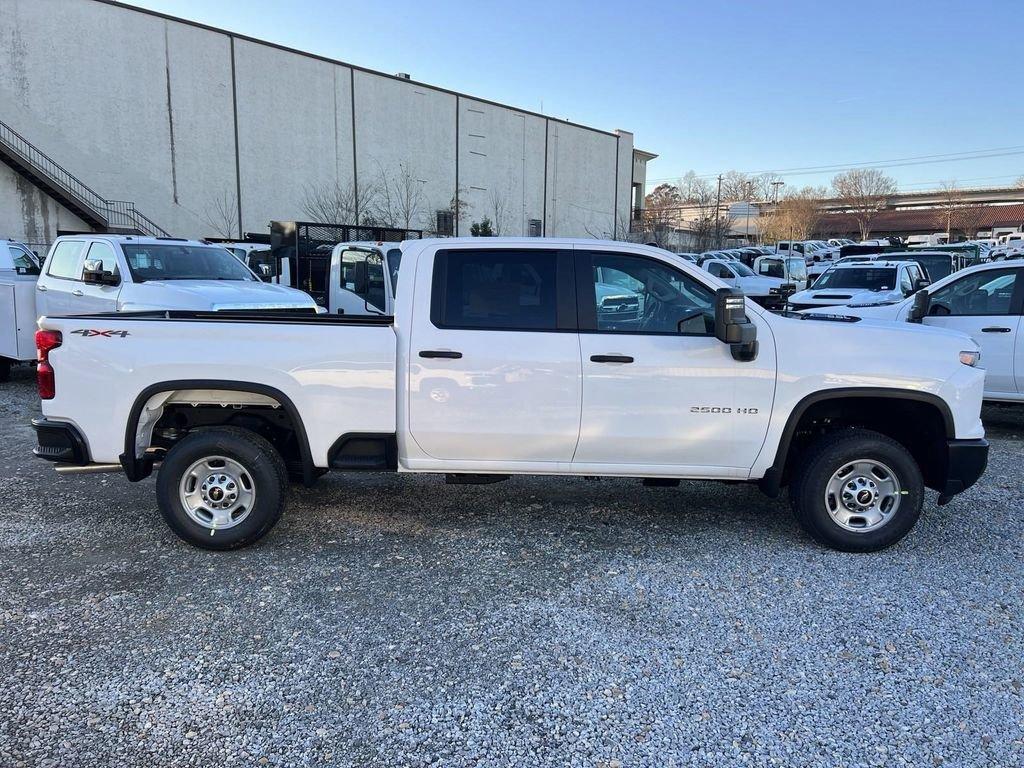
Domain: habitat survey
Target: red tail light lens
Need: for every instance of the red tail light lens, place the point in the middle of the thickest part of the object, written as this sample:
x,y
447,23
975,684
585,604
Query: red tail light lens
x,y
45,342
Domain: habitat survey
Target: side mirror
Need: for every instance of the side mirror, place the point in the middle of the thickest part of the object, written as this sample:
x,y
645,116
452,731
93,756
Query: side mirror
x,y
732,326
92,272
920,283
919,310
360,277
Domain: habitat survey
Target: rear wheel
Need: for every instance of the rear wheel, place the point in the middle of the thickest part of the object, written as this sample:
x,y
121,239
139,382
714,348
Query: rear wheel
x,y
857,491
222,488
5,369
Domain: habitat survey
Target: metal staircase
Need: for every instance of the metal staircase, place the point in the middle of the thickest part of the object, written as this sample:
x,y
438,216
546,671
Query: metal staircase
x,y
96,211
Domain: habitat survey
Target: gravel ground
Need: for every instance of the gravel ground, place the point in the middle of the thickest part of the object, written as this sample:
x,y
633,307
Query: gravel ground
x,y
399,621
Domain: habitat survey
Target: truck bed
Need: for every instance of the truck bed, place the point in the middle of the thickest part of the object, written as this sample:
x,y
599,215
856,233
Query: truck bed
x,y
336,373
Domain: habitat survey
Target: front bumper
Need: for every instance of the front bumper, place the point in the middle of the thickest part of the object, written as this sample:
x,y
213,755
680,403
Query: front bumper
x,y
965,463
60,442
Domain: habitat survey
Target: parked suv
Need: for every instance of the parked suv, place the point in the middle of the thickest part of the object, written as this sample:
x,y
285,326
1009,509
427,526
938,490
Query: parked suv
x,y
123,273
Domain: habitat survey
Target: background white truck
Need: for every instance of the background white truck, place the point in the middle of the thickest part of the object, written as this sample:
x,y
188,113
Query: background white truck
x,y
985,302
19,268
499,360
119,273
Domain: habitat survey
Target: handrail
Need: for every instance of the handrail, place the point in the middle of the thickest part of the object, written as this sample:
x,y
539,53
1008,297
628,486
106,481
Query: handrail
x,y
114,213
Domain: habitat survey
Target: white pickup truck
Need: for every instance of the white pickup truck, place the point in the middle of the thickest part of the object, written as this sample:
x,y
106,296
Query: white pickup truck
x,y
124,273
985,302
19,269
500,359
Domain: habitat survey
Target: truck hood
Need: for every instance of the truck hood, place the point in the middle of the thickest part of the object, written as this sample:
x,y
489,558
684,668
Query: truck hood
x,y
888,311
757,285
831,297
211,295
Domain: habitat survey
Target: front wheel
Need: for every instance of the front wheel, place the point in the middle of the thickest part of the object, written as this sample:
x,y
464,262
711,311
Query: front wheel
x,y
5,369
222,488
857,491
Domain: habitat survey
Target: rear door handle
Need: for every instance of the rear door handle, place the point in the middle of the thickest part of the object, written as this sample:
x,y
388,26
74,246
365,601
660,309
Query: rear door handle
x,y
77,292
611,359
446,354
40,287
995,329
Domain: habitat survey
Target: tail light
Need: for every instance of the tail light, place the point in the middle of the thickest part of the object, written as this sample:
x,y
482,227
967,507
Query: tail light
x,y
46,341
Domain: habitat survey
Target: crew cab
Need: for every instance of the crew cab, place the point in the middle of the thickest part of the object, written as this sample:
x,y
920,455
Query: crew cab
x,y
123,273
984,302
766,291
856,283
499,361
19,269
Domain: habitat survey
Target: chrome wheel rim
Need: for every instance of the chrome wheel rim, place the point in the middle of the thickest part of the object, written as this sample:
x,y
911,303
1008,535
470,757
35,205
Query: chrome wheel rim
x,y
217,492
862,495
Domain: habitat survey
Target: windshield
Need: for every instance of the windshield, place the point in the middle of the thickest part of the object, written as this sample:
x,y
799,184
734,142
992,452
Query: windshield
x,y
869,279
937,267
166,261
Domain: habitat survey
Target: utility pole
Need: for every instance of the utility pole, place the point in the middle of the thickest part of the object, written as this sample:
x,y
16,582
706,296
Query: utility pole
x,y
776,185
718,214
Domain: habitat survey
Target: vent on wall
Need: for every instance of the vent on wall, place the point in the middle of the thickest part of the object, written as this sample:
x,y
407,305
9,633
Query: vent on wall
x,y
445,224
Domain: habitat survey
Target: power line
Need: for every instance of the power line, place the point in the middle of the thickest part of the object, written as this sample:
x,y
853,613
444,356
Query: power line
x,y
976,154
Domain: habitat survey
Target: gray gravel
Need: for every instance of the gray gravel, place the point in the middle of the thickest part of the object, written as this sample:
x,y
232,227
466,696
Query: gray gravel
x,y
399,621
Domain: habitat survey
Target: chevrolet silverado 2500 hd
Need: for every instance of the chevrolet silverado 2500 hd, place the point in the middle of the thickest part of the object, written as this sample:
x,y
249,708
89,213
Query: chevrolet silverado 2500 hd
x,y
500,359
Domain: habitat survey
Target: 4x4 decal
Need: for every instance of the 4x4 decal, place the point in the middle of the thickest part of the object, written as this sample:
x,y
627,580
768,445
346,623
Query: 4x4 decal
x,y
86,333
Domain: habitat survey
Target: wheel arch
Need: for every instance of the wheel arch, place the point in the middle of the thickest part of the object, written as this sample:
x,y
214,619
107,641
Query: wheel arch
x,y
138,468
828,401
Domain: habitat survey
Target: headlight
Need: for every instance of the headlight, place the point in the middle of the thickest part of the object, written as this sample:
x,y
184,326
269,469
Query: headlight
x,y
970,358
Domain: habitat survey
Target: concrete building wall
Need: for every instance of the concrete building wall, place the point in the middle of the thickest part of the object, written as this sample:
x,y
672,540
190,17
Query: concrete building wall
x,y
36,216
205,130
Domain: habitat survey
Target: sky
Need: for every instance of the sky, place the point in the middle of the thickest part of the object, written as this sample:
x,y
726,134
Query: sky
x,y
928,90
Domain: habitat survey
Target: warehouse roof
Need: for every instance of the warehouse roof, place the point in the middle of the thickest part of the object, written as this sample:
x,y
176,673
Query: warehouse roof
x,y
924,219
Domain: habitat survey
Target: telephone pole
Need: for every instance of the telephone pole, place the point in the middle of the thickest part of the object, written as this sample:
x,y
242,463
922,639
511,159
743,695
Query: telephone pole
x,y
718,214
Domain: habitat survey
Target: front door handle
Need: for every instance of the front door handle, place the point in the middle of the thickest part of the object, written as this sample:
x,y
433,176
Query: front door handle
x,y
446,354
995,329
40,287
611,359
77,292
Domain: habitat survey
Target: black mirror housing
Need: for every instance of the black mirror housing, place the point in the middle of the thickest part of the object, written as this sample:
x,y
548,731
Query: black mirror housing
x,y
92,272
361,277
920,308
732,326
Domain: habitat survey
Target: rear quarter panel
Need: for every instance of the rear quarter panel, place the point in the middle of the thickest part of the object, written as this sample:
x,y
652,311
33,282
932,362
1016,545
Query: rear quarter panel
x,y
340,378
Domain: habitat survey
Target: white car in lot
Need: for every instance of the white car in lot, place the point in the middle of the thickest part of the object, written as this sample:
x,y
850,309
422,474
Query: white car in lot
x,y
766,291
984,302
19,270
499,361
125,273
863,284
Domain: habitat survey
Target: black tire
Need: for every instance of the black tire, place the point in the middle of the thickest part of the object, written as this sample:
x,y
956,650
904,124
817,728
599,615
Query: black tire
x,y
827,456
265,470
5,370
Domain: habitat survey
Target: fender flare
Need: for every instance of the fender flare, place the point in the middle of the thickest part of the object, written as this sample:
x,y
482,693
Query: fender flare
x,y
771,483
137,469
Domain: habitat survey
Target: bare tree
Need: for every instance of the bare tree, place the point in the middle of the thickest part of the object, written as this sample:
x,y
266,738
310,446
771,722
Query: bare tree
x,y
737,186
498,210
1019,182
334,203
399,200
221,215
796,217
863,192
765,186
948,211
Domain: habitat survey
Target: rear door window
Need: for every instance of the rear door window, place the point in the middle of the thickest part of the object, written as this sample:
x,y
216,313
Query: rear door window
x,y
66,260
496,290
